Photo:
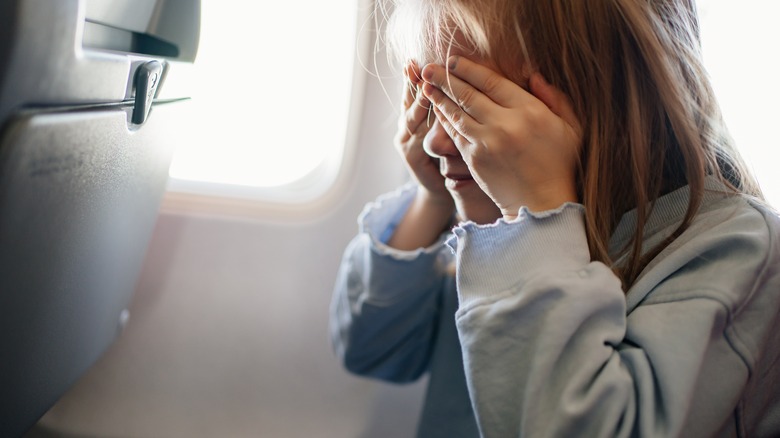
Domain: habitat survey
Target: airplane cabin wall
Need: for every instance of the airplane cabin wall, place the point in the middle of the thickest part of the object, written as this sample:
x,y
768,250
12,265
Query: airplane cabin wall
x,y
228,330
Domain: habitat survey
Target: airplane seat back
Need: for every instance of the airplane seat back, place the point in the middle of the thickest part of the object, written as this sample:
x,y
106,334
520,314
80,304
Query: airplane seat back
x,y
93,101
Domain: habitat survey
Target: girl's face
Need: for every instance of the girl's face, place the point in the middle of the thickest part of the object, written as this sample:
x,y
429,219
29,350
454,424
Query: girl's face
x,y
470,201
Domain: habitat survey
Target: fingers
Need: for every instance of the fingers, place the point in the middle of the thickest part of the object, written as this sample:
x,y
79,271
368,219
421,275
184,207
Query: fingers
x,y
416,107
415,121
416,116
412,81
491,84
452,117
555,99
458,106
469,99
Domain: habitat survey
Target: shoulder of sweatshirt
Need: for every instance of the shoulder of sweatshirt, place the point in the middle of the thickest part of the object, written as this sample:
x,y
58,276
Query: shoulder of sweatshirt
x,y
728,253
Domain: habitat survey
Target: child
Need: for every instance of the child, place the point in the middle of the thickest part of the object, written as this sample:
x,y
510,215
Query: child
x,y
617,269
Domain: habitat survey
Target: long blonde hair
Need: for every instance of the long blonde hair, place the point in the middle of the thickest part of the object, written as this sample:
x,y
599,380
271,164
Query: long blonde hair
x,y
634,73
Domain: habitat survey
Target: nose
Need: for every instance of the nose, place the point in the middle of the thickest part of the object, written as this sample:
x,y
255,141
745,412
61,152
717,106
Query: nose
x,y
437,143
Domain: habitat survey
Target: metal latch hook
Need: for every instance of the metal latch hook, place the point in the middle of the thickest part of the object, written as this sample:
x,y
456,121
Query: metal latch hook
x,y
147,78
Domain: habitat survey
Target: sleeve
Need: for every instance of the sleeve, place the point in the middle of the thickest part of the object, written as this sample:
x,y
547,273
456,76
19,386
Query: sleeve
x,y
385,306
549,351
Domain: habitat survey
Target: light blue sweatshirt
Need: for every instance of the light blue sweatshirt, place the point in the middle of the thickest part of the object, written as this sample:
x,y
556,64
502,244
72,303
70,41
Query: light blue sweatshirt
x,y
534,339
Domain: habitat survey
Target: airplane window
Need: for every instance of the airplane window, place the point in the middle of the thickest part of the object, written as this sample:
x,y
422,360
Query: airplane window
x,y
739,42
275,87
272,95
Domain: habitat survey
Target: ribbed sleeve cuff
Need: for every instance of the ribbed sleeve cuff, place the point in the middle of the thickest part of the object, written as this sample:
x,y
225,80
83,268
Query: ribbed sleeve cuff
x,y
380,218
492,259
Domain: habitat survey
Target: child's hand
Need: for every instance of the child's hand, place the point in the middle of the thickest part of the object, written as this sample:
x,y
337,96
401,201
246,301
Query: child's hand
x,y
522,148
414,123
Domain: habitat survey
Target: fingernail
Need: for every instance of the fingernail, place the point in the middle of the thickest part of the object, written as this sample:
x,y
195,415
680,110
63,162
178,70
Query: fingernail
x,y
452,62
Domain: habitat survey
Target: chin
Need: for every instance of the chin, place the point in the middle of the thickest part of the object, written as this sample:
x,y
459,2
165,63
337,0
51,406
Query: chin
x,y
478,208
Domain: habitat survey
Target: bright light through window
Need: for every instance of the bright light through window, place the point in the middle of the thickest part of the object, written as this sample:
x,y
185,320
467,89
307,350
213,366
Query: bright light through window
x,y
273,84
740,41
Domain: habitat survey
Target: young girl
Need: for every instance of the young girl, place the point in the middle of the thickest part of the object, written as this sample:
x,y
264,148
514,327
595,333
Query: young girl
x,y
617,270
